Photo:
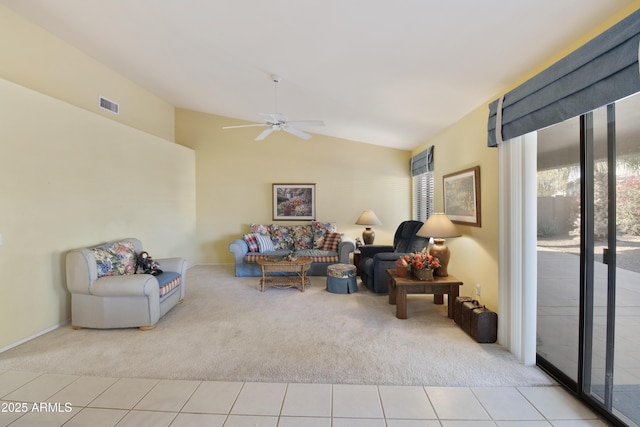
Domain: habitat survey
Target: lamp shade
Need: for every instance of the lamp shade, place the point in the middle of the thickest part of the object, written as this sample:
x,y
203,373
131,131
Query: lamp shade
x,y
438,226
368,217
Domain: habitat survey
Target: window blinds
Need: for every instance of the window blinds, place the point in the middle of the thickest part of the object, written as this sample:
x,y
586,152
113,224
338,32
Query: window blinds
x,y
599,73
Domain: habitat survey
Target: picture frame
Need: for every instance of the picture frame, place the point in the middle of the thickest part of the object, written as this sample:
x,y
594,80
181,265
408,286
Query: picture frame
x,y
462,197
294,202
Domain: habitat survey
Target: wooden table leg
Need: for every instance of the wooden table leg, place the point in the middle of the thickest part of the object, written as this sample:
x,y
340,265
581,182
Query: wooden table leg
x,y
438,299
303,276
392,291
451,299
401,302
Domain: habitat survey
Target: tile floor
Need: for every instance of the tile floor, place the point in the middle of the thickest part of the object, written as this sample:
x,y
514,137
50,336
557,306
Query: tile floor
x,y
42,400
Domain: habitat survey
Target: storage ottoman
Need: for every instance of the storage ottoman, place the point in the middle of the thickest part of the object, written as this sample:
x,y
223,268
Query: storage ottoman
x,y
341,279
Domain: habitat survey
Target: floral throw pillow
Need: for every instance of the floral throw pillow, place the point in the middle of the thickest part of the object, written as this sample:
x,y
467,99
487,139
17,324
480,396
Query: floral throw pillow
x,y
115,260
302,237
265,230
281,237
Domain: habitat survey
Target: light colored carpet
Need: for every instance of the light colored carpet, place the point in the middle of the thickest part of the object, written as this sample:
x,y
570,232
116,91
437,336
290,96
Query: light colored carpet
x,y
227,329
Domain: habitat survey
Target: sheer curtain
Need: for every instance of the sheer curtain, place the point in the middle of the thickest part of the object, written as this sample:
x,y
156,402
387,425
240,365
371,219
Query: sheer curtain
x,y
518,257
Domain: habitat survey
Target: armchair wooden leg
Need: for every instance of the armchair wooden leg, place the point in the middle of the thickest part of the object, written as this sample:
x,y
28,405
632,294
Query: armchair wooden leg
x,y
76,328
148,328
181,301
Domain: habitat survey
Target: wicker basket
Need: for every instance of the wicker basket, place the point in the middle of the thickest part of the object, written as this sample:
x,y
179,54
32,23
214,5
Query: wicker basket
x,y
426,274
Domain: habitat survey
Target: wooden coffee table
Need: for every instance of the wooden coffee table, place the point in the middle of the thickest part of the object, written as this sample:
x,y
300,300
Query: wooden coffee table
x,y
270,266
399,287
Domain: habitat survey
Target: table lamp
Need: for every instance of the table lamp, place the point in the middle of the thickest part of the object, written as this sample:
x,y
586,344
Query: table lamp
x,y
368,218
439,226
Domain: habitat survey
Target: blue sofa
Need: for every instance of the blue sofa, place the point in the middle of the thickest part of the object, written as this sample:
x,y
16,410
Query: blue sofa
x,y
376,259
305,240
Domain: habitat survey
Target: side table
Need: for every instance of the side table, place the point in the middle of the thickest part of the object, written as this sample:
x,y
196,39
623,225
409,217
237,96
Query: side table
x,y
356,260
399,287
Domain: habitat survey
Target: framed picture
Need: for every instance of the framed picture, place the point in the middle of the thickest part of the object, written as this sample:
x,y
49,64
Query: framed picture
x,y
462,196
294,201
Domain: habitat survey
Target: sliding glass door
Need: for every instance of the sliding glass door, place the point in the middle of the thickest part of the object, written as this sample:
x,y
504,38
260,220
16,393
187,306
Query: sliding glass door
x,y
559,177
589,256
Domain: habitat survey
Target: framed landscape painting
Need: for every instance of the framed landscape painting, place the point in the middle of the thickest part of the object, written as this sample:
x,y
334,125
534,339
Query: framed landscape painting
x,y
462,196
294,201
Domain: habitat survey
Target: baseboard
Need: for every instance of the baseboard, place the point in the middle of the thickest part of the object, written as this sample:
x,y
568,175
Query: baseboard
x,y
15,344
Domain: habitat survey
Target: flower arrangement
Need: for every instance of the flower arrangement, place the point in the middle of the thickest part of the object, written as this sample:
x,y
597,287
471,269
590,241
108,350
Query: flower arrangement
x,y
422,260
291,256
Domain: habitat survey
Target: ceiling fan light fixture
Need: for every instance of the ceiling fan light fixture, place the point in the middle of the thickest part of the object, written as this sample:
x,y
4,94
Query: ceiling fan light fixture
x,y
276,121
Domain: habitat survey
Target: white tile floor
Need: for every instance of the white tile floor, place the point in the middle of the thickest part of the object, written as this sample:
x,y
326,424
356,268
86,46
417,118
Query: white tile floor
x,y
43,400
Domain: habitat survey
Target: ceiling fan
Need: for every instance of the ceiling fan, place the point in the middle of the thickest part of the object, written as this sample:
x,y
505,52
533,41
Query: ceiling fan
x,y
278,122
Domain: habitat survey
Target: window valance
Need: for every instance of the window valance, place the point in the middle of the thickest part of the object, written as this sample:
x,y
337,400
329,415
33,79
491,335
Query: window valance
x,y
599,73
422,162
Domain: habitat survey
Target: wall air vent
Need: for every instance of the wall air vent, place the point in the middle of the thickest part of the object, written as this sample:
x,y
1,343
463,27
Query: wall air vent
x,y
108,105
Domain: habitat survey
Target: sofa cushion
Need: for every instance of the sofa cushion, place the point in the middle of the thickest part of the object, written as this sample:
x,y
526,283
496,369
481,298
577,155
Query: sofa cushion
x,y
302,236
254,257
264,243
116,259
252,242
281,236
168,281
316,255
331,241
319,231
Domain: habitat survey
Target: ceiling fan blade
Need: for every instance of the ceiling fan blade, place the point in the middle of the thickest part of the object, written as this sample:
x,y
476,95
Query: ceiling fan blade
x,y
296,132
264,134
245,126
306,123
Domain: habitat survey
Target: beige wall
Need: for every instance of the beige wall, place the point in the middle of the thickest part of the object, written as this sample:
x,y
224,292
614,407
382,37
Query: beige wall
x,y
70,178
72,175
235,174
474,256
35,59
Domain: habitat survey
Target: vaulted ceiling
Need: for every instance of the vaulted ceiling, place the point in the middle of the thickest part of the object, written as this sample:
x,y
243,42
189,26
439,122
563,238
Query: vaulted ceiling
x,y
391,73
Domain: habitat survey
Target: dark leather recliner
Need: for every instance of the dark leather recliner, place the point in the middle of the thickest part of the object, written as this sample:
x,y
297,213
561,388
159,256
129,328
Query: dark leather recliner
x,y
376,259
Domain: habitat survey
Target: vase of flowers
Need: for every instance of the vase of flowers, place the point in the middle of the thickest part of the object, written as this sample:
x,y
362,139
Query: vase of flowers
x,y
422,264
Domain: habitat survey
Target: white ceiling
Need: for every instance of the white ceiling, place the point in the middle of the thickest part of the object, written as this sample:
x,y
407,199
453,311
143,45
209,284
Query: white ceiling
x,y
392,73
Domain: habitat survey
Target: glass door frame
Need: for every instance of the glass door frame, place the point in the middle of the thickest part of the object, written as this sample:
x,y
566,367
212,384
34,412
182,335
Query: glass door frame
x,y
583,386
588,258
